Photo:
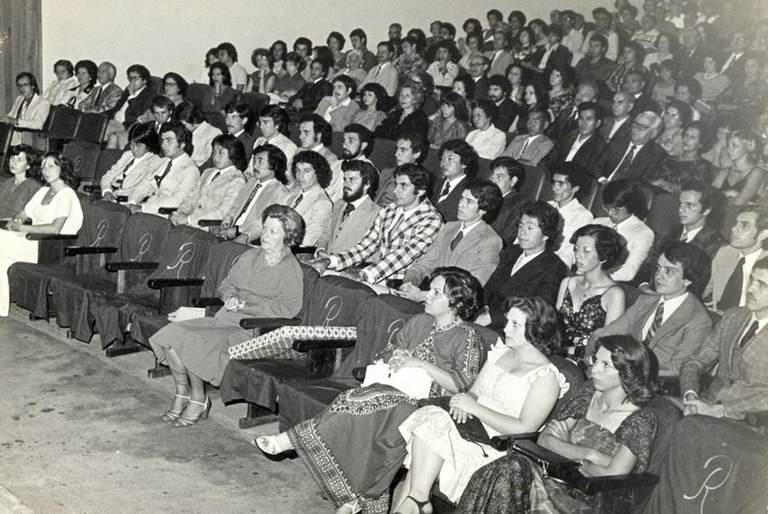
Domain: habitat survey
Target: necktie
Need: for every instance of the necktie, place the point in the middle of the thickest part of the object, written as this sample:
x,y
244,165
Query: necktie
x,y
253,194
684,237
218,172
378,70
98,95
749,335
119,181
160,179
457,239
732,292
446,190
525,146
658,319
298,200
625,163
347,211
21,108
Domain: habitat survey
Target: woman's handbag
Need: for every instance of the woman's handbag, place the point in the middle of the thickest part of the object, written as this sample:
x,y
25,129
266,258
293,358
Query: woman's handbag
x,y
471,430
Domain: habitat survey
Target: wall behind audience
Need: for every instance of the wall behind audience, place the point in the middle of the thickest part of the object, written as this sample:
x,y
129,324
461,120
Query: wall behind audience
x,y
173,35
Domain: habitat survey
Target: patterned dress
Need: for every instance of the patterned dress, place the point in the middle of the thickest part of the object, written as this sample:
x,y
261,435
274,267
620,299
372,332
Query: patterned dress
x,y
353,448
579,324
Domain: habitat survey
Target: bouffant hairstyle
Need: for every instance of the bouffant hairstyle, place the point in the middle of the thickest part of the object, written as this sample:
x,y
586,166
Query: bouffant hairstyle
x,y
67,174
697,267
465,151
378,91
542,327
489,198
235,149
33,160
319,164
633,362
225,74
550,222
91,68
609,245
276,160
469,85
464,291
293,223
262,52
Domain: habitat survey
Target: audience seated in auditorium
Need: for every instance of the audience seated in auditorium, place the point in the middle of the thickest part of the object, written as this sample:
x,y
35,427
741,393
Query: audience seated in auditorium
x,y
237,119
567,121
530,148
175,88
160,111
562,89
353,68
407,116
553,55
312,174
263,79
410,148
372,113
500,58
568,180
573,39
357,144
339,109
135,166
676,116
585,146
135,101
595,66
106,93
450,122
28,112
603,22
635,84
359,41
384,73
409,59
58,92
290,82
632,59
17,191
478,70
228,56
203,133
690,165
85,72
316,134
635,158
509,176
458,164
273,124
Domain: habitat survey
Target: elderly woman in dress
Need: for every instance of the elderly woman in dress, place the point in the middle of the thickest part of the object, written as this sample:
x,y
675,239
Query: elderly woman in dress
x,y
353,448
407,116
58,92
514,393
24,165
265,282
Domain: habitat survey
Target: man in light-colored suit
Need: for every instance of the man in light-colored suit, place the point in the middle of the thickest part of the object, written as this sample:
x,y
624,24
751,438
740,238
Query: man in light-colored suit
x,y
385,72
176,179
673,322
264,187
219,186
134,166
106,94
311,201
531,148
500,58
469,243
353,215
29,110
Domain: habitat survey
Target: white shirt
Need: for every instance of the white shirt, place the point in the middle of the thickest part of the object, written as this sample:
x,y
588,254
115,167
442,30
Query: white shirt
x,y
545,57
135,163
120,115
574,216
488,143
245,214
616,126
239,75
466,229
523,260
670,306
331,108
634,156
577,144
749,262
452,183
690,234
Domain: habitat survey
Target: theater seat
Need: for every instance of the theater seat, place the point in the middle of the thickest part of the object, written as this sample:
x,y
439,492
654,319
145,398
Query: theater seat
x,y
83,155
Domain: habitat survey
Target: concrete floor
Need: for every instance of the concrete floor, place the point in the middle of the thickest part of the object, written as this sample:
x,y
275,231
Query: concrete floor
x,y
81,433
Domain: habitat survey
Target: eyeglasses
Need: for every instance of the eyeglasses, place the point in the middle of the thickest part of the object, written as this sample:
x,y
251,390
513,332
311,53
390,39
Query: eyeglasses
x,y
23,84
171,84
640,126
133,77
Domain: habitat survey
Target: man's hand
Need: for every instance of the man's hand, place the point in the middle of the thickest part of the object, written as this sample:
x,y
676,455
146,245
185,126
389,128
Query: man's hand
x,y
704,409
108,196
134,208
413,293
320,265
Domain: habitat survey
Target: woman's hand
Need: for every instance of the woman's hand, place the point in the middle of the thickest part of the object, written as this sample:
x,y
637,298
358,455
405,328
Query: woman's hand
x,y
14,224
461,407
397,359
233,304
559,429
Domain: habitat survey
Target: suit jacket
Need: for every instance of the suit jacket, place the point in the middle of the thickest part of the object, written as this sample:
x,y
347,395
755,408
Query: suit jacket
x,y
141,172
723,264
690,64
102,99
273,193
449,207
341,116
181,182
33,118
202,140
387,77
674,342
508,218
539,277
311,94
136,106
559,58
589,153
393,245
707,239
621,135
645,163
481,88
741,378
337,236
477,253
534,152
214,199
247,141
500,65
386,192
506,114
563,125
645,103
315,207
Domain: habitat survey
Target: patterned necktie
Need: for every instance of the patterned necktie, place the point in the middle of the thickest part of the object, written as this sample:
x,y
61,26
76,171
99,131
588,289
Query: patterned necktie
x,y
119,181
160,179
253,194
732,292
625,163
750,334
347,211
658,319
446,190
298,200
457,239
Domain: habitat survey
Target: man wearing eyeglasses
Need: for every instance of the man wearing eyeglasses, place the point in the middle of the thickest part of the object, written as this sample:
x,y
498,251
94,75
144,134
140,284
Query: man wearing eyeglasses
x,y
29,110
136,100
636,157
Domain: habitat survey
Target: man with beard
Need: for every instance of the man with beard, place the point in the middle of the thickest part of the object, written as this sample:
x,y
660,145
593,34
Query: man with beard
x,y
506,110
357,145
410,149
353,215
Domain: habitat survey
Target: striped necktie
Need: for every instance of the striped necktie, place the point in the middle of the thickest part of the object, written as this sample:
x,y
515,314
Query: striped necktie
x,y
658,319
119,181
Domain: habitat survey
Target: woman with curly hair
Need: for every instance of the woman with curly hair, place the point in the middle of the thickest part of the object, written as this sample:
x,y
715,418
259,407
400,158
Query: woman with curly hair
x,y
514,393
263,79
603,426
353,449
407,116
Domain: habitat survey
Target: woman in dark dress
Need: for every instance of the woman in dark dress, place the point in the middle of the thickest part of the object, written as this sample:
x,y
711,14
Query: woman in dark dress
x,y
24,165
407,117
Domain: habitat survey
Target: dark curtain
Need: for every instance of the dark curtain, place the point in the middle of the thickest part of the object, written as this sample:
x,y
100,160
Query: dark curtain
x,y
20,45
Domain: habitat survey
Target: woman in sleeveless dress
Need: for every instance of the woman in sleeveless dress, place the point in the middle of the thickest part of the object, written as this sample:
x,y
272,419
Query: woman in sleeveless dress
x,y
514,393
591,299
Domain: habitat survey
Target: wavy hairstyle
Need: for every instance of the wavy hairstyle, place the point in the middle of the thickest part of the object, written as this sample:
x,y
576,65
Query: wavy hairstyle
x,y
293,223
67,174
542,326
609,245
276,161
319,165
33,160
464,291
633,362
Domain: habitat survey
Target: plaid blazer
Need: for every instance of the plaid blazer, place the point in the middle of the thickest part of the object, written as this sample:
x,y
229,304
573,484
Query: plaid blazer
x,y
741,379
396,245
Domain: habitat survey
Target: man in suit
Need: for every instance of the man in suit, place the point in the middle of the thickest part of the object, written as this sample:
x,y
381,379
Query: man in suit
x,y
595,66
534,146
29,110
690,55
161,108
567,181
553,55
458,164
673,321
237,117
316,134
311,201
353,215
478,70
585,146
619,126
134,166
316,88
410,148
507,111
176,179
500,58
733,262
739,347
468,243
401,233
634,84
135,101
384,73
219,185
107,93
635,158
509,175
733,65
567,121
357,144
264,187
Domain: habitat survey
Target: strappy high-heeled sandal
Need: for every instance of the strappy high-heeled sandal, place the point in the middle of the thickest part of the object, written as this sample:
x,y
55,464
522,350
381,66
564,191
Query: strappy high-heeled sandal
x,y
269,448
419,504
170,416
184,421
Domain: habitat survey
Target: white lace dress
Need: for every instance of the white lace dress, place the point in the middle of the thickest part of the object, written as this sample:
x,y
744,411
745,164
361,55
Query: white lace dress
x,y
496,389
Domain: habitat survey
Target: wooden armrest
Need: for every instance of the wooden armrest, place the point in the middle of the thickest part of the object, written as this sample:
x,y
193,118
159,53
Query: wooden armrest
x,y
305,346
121,266
50,237
71,251
209,223
304,250
594,485
121,198
159,283
92,188
268,324
167,210
359,373
757,419
501,442
207,301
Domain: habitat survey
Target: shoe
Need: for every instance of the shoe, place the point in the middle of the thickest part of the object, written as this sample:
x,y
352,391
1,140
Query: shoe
x,y
171,416
270,450
352,507
184,421
419,504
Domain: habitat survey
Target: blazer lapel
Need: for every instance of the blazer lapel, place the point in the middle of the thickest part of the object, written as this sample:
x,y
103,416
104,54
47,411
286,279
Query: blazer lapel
x,y
678,319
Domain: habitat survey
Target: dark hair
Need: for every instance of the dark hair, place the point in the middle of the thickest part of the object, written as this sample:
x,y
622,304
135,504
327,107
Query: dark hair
x,y
181,82
502,82
674,43
685,110
141,133
359,33
600,39
319,127
550,222
495,13
293,223
31,78
694,86
419,37
542,327
324,55
449,27
322,62
625,193
638,49
711,198
520,15
489,198
761,223
234,148
189,112
378,91
295,59
365,136
696,264
592,106
389,46
303,41
230,49
348,82
419,177
262,52
469,85
211,51
33,160
140,70
163,102
568,74
541,94
465,151
453,52
368,173
463,290
278,115
419,144
319,164
67,64
67,174
475,21
91,68
513,168
338,37
277,43
574,173
183,135
225,74
243,110
487,106
609,245
633,362
459,105
276,160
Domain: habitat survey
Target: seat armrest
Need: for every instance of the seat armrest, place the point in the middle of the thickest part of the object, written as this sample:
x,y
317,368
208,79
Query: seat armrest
x,y
305,250
207,301
594,485
209,223
71,251
305,346
757,419
160,283
501,442
268,324
51,237
127,266
166,210
92,188
121,198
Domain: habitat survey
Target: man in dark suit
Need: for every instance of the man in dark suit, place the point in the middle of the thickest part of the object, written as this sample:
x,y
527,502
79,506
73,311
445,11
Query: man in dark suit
x,y
478,70
509,175
690,56
634,84
733,64
317,88
136,98
636,157
568,120
507,111
237,119
529,268
553,55
585,146
619,126
458,162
